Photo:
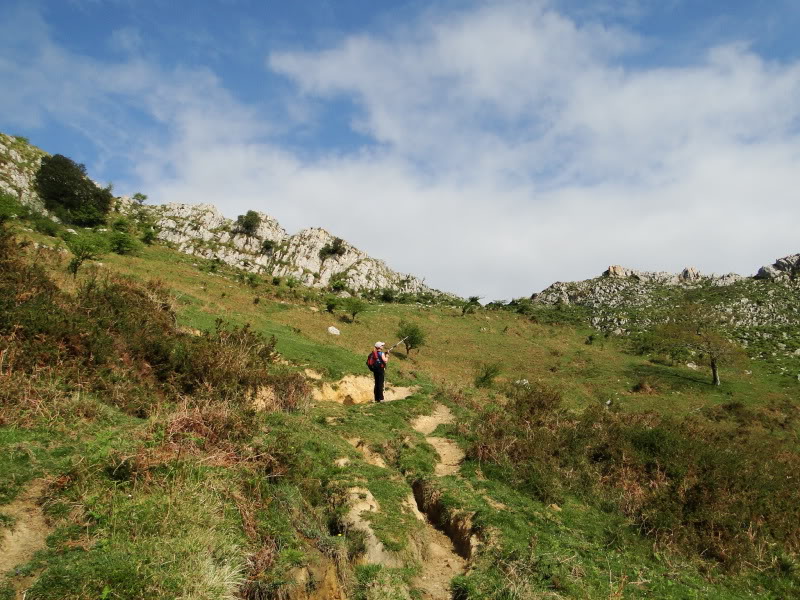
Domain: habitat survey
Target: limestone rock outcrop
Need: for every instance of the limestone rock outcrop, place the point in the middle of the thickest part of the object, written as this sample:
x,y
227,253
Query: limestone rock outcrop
x,y
787,267
307,256
19,162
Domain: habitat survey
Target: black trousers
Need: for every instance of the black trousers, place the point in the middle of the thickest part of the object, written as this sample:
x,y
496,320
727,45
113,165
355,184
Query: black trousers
x,y
379,376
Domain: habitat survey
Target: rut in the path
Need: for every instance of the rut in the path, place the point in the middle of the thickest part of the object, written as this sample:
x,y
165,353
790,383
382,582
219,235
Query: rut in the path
x,y
441,562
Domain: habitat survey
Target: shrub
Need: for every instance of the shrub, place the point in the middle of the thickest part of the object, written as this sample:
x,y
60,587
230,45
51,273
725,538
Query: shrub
x,y
11,208
45,226
335,248
123,243
68,192
84,246
486,374
267,246
122,224
149,236
331,303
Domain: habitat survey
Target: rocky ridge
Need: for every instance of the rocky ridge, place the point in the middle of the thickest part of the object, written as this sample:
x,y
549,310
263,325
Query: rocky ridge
x,y
762,311
202,230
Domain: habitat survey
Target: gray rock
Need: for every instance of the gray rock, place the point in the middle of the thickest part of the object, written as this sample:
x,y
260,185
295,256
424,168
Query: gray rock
x,y
333,331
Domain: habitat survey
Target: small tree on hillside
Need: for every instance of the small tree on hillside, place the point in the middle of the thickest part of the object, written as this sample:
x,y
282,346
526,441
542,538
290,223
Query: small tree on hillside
x,y
68,192
248,223
84,247
696,330
353,306
139,198
413,334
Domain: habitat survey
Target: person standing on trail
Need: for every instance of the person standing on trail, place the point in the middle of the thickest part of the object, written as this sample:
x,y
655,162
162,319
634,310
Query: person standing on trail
x,y
376,362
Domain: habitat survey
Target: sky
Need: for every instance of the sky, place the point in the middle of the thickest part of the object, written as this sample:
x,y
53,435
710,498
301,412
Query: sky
x,y
490,148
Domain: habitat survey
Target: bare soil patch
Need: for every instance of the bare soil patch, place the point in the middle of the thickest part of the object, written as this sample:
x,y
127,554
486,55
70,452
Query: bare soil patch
x,y
28,534
358,389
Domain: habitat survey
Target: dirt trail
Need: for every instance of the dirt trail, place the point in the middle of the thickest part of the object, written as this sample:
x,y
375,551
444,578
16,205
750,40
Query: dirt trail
x,y
28,534
450,455
441,562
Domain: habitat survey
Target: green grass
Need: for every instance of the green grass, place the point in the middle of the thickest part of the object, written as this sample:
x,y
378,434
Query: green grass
x,y
140,514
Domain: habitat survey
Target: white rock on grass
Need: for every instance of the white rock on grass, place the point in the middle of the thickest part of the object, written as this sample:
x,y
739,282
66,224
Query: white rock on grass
x,y
333,331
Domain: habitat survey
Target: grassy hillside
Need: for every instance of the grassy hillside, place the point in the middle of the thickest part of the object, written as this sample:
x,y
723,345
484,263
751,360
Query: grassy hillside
x,y
591,471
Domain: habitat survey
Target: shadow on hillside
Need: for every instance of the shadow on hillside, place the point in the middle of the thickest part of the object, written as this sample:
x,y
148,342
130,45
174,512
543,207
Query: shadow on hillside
x,y
675,377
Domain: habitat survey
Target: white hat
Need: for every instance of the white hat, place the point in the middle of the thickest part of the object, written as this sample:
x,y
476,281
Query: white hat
x,y
379,344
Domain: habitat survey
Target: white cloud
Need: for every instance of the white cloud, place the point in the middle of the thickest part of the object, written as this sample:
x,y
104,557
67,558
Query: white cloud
x,y
512,146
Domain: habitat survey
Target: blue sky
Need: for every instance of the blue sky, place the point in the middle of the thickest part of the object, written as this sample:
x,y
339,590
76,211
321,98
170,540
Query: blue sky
x,y
490,147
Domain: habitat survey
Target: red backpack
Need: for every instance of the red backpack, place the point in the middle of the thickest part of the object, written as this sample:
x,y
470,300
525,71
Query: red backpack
x,y
374,362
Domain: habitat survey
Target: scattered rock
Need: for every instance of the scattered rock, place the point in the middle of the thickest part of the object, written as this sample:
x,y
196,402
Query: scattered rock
x,y
333,331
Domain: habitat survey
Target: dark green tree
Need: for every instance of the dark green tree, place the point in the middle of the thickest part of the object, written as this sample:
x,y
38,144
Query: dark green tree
x,y
68,192
248,223
413,334
139,198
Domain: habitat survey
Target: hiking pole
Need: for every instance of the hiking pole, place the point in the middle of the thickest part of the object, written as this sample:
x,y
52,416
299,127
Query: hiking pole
x,y
398,343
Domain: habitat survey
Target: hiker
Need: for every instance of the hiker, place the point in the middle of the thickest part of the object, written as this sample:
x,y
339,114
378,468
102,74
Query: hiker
x,y
377,364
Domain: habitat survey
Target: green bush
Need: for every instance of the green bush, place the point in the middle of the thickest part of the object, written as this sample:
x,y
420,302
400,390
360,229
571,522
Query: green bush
x,y
122,224
45,226
68,192
149,236
11,208
335,248
267,246
84,246
123,243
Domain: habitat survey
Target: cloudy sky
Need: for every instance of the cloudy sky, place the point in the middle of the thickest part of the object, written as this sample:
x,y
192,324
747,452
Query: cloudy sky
x,y
489,147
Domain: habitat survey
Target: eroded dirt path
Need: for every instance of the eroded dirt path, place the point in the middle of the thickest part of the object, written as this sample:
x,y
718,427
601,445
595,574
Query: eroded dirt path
x,y
28,534
450,455
441,562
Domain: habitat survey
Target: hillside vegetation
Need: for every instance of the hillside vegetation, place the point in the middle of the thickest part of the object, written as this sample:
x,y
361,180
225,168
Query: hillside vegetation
x,y
164,405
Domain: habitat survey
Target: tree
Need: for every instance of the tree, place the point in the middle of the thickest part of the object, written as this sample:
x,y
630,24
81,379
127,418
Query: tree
x,y
696,331
139,198
248,223
68,192
352,306
84,247
413,334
